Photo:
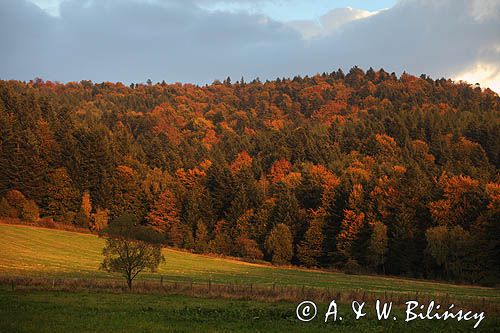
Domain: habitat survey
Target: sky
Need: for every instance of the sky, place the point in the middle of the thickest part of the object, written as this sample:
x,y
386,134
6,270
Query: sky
x,y
199,41
286,10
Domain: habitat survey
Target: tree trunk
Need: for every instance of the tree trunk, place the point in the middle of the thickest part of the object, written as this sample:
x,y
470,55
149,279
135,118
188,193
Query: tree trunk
x,y
129,283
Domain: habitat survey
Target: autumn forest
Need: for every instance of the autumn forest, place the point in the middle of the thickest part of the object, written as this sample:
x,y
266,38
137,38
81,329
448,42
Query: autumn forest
x,y
365,172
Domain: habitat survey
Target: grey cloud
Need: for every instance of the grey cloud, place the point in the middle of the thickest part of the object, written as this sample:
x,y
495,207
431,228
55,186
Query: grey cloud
x,y
437,37
440,38
131,41
177,40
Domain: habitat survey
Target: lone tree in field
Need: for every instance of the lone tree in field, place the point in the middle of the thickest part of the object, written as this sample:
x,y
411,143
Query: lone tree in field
x,y
130,257
126,255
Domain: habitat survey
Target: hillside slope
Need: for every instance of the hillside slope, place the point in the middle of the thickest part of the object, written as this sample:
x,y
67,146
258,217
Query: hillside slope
x,y
359,169
33,251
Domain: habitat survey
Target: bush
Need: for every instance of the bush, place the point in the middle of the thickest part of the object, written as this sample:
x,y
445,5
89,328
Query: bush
x,y
100,219
279,245
30,211
68,217
248,248
148,235
201,239
16,201
81,219
127,226
6,210
352,267
47,222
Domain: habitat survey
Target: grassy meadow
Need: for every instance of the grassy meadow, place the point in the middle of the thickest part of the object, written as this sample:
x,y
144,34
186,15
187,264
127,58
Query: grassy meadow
x,y
48,311
39,252
32,252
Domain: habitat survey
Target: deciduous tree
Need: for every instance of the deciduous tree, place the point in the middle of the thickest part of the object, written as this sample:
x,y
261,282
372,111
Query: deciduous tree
x,y
279,245
130,257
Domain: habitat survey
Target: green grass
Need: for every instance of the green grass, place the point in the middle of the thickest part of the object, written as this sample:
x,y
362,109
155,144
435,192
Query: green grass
x,y
49,311
38,252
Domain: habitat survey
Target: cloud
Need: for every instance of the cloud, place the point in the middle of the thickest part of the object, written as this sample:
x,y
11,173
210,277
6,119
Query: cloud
x,y
176,40
340,16
330,22
485,9
441,38
488,75
131,41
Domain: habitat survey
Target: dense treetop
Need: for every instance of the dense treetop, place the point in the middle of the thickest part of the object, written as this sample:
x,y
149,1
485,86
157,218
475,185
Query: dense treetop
x,y
364,171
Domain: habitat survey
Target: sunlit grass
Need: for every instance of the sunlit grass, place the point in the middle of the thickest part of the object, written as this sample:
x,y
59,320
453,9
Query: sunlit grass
x,y
31,251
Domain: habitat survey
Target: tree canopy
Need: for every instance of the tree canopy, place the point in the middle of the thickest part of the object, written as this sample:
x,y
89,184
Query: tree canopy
x,y
360,169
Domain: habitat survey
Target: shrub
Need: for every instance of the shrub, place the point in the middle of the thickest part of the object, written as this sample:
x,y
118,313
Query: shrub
x,y
201,239
47,222
100,219
16,200
279,245
30,211
81,219
352,267
68,217
248,248
6,210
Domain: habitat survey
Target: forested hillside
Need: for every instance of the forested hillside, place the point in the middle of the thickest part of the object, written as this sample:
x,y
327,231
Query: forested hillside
x,y
364,171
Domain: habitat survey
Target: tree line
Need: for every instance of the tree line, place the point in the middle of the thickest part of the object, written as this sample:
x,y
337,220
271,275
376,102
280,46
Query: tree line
x,y
364,171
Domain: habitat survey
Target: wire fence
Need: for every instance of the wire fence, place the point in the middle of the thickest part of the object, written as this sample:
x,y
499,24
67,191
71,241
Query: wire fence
x,y
248,291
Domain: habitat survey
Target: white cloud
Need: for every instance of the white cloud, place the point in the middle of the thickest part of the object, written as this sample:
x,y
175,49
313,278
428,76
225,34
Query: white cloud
x,y
336,18
330,22
488,76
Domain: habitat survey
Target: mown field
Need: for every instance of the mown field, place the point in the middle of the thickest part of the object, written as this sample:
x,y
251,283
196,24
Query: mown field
x,y
54,254
47,311
39,252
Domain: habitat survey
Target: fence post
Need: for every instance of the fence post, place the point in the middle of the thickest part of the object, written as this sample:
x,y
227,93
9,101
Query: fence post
x,y
161,280
12,284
